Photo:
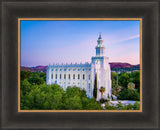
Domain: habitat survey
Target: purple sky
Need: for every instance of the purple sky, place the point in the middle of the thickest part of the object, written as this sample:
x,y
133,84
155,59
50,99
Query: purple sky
x,y
48,42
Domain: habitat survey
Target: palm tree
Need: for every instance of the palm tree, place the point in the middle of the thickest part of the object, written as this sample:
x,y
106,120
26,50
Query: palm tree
x,y
102,90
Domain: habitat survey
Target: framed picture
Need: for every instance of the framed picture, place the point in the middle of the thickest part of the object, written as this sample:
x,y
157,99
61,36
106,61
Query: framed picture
x,y
69,64
80,87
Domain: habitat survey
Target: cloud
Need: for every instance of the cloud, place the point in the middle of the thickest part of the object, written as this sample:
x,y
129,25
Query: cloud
x,y
119,38
130,38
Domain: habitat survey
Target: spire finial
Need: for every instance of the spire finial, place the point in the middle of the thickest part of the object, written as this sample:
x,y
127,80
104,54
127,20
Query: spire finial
x,y
100,35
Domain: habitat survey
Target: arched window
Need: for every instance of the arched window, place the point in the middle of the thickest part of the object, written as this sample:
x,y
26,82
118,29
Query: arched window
x,y
89,76
78,76
60,76
56,76
64,76
73,76
89,87
69,76
51,76
83,76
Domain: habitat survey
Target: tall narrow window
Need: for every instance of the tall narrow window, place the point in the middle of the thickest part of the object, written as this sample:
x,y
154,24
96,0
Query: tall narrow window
x,y
83,76
69,76
56,76
51,76
73,76
89,87
78,76
89,76
60,76
64,76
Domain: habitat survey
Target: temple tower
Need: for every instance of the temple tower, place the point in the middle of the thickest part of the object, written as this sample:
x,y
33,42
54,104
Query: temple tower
x,y
100,67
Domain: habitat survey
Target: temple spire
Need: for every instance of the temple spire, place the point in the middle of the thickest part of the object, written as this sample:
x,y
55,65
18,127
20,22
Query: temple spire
x,y
100,47
100,37
100,40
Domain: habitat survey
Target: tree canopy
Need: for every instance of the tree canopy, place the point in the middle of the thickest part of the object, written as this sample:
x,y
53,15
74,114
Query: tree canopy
x,y
36,95
122,91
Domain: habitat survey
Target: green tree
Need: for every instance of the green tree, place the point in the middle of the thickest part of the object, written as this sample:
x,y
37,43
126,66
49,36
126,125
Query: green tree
x,y
114,79
36,95
73,103
93,105
95,87
83,94
109,106
85,102
25,74
129,106
42,75
36,80
129,94
119,106
73,91
25,86
136,106
124,79
136,79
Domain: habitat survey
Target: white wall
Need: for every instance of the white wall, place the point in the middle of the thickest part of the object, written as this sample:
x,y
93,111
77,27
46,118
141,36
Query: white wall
x,y
83,69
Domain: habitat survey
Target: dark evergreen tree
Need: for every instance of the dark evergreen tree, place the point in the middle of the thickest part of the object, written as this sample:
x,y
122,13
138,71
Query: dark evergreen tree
x,y
95,87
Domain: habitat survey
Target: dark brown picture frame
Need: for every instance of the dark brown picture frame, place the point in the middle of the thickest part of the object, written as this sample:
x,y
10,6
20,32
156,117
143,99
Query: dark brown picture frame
x,y
12,10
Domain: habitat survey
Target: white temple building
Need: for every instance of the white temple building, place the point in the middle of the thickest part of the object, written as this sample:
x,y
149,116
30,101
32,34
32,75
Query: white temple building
x,y
83,75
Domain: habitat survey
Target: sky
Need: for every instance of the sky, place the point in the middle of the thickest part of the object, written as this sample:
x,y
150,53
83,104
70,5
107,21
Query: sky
x,y
48,42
